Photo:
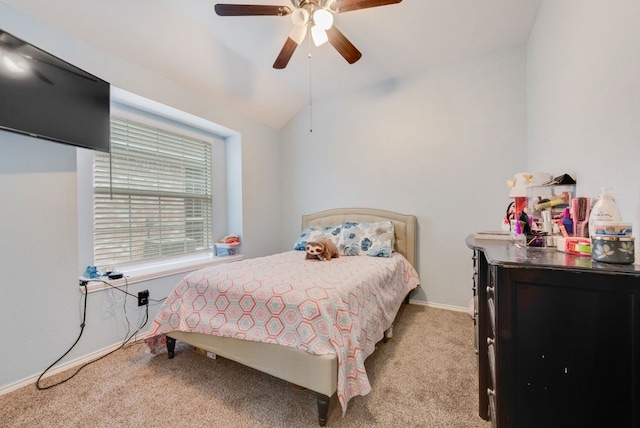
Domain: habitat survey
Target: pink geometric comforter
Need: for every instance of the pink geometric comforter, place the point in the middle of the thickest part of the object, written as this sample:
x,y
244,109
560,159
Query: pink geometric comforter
x,y
338,307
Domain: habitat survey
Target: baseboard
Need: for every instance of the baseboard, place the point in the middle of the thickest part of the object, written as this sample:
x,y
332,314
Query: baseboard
x,y
438,305
5,389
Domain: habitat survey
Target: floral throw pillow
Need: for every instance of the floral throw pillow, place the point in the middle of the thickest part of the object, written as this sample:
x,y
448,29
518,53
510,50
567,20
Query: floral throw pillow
x,y
316,233
367,239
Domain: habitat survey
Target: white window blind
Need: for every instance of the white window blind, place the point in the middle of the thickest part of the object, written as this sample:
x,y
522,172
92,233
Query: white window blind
x,y
152,196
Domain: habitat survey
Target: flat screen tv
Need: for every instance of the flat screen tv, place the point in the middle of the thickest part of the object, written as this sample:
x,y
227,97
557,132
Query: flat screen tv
x,y
46,97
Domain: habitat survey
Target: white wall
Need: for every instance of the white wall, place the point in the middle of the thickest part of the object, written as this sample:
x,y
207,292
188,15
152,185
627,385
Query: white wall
x,y
39,249
439,145
584,97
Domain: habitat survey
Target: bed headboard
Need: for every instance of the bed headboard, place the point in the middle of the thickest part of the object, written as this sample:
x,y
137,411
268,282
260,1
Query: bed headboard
x,y
405,225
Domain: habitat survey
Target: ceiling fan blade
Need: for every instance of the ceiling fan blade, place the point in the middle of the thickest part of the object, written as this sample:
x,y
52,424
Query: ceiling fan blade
x,y
223,9
343,45
349,5
285,54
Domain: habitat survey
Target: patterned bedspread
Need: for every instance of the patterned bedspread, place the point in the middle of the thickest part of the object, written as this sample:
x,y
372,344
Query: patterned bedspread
x,y
340,307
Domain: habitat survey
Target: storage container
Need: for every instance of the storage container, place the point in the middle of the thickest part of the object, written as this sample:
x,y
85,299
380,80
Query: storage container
x,y
226,249
612,249
614,228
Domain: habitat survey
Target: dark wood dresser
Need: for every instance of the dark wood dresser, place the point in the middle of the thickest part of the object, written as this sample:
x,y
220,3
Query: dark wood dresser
x,y
557,337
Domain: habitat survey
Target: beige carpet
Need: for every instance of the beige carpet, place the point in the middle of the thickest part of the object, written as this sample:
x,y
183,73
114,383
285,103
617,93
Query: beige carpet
x,y
424,377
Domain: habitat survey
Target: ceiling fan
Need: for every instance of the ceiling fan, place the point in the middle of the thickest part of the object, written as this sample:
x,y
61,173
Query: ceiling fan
x,y
315,16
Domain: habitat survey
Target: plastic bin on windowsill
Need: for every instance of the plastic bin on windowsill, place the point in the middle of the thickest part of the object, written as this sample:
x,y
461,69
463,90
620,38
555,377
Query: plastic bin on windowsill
x,y
223,250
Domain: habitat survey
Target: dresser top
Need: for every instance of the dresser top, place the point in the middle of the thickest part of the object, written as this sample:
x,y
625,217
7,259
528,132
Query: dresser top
x,y
506,253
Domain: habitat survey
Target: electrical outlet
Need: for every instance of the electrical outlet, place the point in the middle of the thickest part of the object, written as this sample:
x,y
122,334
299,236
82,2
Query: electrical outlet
x,y
143,298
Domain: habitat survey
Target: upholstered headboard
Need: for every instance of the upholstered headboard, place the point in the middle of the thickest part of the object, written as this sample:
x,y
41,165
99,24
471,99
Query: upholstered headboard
x,y
405,225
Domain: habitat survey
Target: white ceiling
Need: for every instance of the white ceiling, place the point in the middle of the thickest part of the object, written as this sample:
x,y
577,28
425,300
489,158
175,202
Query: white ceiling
x,y
231,58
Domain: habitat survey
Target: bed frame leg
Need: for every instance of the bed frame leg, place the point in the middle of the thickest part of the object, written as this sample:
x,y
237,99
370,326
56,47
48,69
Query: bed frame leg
x,y
388,334
323,409
171,347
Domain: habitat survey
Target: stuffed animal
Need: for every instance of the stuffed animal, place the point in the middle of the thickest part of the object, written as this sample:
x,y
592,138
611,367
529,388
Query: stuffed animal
x,y
323,250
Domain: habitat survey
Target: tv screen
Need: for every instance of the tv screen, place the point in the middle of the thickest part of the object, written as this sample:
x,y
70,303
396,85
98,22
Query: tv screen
x,y
46,97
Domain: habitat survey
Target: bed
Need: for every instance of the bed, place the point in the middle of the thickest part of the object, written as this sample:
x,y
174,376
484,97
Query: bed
x,y
314,330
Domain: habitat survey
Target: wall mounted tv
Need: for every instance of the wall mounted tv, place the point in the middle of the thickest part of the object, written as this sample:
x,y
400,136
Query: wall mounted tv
x,y
46,97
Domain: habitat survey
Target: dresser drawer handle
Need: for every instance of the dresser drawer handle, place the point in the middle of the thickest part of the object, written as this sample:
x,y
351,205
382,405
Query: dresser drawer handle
x,y
489,289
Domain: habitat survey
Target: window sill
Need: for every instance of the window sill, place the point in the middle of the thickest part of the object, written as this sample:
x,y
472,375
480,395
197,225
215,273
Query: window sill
x,y
158,270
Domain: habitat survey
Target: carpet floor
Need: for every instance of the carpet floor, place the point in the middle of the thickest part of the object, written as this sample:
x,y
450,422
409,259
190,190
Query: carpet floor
x,y
425,376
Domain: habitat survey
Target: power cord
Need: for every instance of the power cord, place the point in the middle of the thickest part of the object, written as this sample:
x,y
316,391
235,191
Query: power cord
x,y
84,319
82,326
126,291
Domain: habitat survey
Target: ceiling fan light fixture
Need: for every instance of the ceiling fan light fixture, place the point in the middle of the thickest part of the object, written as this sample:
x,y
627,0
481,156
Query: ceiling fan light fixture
x,y
323,18
300,17
297,34
319,35
330,5
315,16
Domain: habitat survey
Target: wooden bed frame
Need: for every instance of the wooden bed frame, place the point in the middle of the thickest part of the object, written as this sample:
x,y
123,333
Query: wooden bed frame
x,y
318,373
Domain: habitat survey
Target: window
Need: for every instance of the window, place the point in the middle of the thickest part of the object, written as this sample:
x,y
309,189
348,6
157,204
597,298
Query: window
x,y
152,196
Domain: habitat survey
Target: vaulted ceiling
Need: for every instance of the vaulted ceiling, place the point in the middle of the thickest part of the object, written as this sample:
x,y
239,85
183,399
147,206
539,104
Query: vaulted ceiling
x,y
231,58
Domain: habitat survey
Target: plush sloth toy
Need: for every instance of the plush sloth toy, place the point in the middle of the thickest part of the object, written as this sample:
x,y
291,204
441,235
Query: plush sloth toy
x,y
323,250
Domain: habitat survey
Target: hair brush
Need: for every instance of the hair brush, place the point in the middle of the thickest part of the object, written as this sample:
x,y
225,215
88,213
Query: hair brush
x,y
580,215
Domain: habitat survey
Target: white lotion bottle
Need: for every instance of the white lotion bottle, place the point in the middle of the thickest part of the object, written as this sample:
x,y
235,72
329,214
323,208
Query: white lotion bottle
x,y
605,209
